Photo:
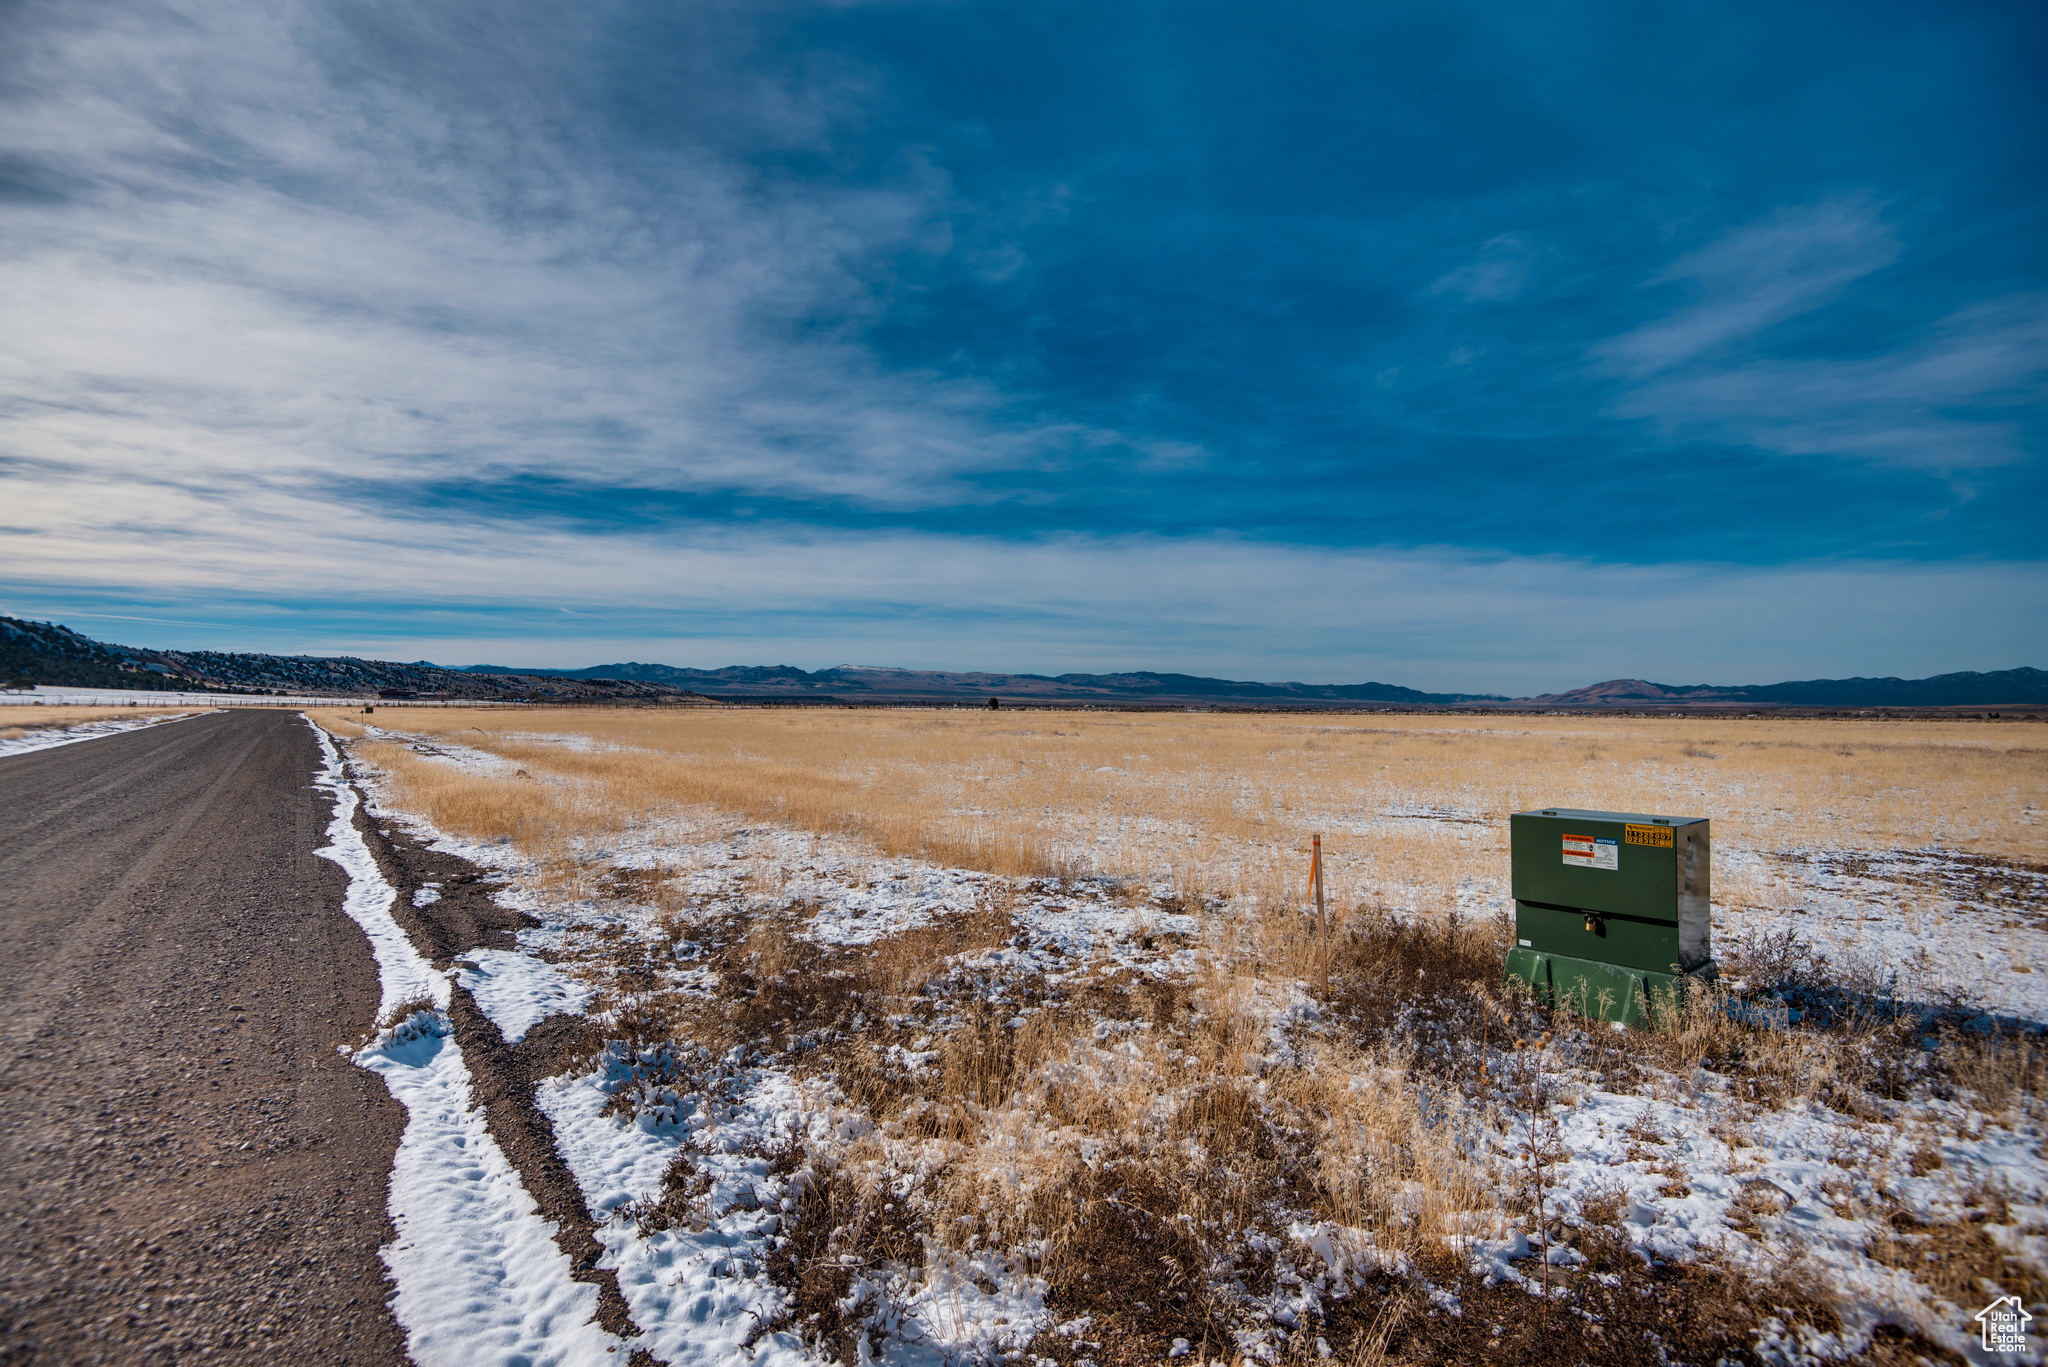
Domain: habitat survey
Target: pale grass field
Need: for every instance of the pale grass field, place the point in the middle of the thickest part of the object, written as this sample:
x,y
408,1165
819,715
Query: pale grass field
x,y
1385,1117
22,720
1222,805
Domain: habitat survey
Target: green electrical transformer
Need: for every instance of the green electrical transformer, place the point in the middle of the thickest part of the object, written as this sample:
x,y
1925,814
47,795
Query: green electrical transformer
x,y
1612,909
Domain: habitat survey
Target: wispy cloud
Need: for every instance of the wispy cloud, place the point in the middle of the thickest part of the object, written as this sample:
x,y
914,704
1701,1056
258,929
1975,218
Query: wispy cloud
x,y
1497,272
1794,261
273,263
1430,617
1949,399
1948,402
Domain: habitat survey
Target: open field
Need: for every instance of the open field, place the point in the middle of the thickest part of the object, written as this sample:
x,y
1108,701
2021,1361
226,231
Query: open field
x,y
16,721
964,1034
34,727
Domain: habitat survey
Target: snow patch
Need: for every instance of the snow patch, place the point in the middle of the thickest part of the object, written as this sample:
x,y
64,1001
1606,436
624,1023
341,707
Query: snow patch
x,y
1958,926
518,991
700,1296
453,754
479,1277
54,736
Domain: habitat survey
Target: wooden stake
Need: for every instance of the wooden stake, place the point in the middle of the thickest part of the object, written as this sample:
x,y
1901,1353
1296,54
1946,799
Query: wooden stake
x,y
1322,912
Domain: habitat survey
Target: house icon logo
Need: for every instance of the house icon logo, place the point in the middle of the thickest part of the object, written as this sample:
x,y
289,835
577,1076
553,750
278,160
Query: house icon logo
x,y
2005,1323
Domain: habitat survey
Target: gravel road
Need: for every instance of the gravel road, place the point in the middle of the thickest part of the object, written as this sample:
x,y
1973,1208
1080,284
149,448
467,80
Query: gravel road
x,y
189,1171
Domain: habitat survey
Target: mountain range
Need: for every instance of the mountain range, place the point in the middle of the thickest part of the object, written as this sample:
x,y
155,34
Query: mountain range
x,y
873,681
45,653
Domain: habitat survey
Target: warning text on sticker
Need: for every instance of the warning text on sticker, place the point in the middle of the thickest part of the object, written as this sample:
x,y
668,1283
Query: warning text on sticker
x,y
1592,852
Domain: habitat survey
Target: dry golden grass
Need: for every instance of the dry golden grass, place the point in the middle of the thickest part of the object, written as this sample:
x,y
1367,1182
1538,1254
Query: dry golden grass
x,y
540,817
20,720
1221,804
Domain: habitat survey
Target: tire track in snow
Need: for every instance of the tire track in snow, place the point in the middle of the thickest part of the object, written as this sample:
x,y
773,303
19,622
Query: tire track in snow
x,y
479,1277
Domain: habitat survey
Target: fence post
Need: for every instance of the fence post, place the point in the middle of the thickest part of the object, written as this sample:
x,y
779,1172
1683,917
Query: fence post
x,y
1322,911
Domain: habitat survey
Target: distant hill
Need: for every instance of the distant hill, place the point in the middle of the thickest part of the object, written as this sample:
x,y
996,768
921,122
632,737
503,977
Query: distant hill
x,y
45,653
2009,687
868,681
348,674
1999,688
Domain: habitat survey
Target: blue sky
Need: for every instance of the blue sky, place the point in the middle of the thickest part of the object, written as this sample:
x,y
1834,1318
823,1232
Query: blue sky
x,y
1494,347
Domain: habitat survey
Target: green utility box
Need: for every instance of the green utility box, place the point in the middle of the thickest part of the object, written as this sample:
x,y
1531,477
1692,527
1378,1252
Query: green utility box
x,y
1612,909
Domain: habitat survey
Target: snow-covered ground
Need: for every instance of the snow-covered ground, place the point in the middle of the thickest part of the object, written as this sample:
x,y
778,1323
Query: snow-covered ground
x,y
1695,1168
61,696
518,991
47,695
1956,925
1806,1180
47,737
479,1277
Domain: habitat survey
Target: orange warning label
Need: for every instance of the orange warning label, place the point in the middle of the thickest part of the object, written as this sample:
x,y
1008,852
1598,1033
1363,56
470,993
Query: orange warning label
x,y
1649,835
1592,852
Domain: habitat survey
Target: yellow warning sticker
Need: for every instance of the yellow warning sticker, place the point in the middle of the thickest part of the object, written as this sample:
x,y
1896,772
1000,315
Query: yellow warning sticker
x,y
1649,835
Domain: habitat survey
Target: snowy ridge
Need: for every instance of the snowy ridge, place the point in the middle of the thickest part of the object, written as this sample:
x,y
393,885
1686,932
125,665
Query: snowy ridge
x,y
478,1274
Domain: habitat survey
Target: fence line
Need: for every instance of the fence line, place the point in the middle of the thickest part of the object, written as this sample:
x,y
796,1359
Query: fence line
x,y
140,697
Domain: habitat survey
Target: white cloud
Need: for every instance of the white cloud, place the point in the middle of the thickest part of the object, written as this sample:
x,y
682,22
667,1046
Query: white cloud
x,y
1431,618
1498,271
1933,405
1789,263
276,274
276,263
1943,402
